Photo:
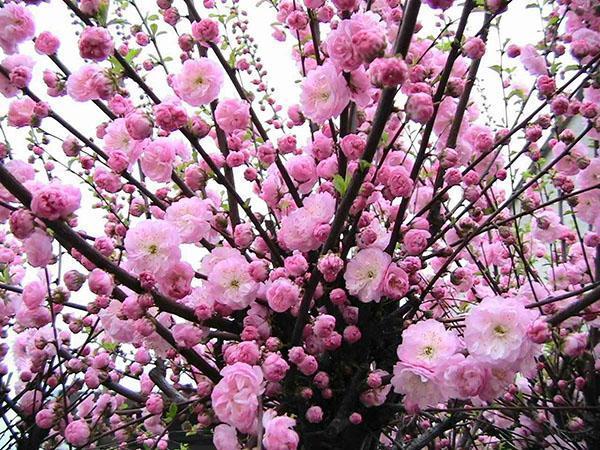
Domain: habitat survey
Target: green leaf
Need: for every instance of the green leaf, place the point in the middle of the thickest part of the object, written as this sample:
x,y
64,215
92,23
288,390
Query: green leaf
x,y
497,68
339,183
153,28
364,165
131,54
172,413
102,14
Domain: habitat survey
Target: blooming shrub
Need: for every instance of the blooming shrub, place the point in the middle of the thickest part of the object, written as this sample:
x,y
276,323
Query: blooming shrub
x,y
401,250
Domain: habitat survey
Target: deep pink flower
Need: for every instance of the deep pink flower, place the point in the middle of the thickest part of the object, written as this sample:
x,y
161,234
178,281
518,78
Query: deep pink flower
x,y
55,200
96,44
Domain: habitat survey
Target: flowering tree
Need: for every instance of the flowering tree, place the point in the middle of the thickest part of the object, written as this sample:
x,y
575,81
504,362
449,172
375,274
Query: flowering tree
x,y
402,251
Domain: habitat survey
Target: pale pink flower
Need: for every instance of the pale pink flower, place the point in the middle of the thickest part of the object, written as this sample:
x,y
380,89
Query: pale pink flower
x,y
347,53
235,397
225,438
282,295
395,285
279,434
231,283
77,433
88,83
152,246
191,217
21,112
118,139
95,43
297,228
496,332
465,378
533,62
176,281
159,157
324,94
199,82
22,171
14,63
365,272
274,367
427,344
232,114
419,386
16,26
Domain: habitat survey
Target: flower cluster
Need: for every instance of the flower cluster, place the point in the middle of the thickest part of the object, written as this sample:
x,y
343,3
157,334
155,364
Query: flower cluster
x,y
391,252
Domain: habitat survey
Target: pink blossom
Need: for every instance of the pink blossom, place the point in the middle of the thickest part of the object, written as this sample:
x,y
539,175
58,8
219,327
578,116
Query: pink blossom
x,y
230,282
96,44
92,7
152,246
388,72
187,335
88,83
415,241
353,146
77,433
21,64
496,332
246,352
361,35
191,217
235,397
419,107
365,272
232,115
282,295
47,43
427,344
100,282
324,93
330,265
21,112
274,367
395,284
297,228
465,377
474,48
225,438
55,200
206,31
16,26
138,126
170,115
279,434
419,386
34,294
399,182
199,82
533,62
159,157
176,281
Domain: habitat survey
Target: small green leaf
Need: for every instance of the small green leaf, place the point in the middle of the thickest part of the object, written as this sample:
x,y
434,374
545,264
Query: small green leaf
x,y
171,413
